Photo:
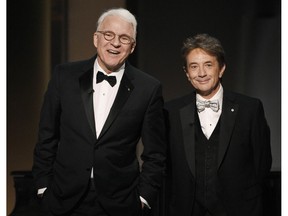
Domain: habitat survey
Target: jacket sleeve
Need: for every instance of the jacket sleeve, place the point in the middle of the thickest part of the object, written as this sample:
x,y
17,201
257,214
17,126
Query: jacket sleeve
x,y
261,143
154,153
48,134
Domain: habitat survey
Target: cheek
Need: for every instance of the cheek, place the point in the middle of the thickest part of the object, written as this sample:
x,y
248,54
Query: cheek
x,y
126,53
217,77
191,76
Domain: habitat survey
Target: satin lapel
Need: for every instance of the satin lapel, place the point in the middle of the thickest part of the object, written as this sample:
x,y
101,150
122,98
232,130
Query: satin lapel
x,y
85,82
125,89
187,116
228,118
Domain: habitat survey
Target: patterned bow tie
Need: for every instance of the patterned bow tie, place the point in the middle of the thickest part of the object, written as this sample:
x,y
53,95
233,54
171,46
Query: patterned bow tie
x,y
110,79
201,105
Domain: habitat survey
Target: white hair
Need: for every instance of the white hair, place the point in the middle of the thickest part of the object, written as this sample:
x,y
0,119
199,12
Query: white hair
x,y
120,12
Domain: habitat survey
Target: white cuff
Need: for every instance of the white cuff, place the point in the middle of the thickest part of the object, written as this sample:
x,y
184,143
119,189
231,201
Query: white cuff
x,y
41,190
145,202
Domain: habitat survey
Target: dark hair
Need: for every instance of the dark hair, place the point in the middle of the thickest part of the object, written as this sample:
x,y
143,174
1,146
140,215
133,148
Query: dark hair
x,y
206,42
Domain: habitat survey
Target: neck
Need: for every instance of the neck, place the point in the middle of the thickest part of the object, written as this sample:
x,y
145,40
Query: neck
x,y
210,94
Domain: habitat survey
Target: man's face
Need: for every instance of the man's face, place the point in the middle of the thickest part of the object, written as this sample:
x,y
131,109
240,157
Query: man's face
x,y
204,72
112,54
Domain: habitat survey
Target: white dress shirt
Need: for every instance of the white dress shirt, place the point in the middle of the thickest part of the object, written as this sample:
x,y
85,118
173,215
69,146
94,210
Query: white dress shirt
x,y
104,96
208,118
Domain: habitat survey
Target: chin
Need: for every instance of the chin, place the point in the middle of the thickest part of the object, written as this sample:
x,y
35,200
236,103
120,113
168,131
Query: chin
x,y
205,93
110,65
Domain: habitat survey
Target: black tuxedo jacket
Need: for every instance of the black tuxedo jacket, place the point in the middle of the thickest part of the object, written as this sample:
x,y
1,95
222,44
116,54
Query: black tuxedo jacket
x,y
244,155
68,148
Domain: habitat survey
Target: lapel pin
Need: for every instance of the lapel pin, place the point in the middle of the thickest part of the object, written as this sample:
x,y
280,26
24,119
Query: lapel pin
x,y
232,110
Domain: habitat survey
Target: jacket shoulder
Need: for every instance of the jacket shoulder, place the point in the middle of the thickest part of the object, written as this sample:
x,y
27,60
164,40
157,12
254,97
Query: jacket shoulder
x,y
141,76
241,98
76,65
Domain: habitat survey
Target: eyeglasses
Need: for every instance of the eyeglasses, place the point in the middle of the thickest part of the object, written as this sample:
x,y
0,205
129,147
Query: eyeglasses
x,y
124,39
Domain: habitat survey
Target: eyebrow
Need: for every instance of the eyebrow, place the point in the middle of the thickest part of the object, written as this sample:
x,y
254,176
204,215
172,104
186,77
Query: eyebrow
x,y
199,63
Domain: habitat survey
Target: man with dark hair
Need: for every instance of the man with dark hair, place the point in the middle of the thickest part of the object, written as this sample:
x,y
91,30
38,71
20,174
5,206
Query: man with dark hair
x,y
219,141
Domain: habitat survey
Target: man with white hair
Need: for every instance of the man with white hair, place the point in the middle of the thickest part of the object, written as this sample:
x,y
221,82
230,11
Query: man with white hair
x,y
94,114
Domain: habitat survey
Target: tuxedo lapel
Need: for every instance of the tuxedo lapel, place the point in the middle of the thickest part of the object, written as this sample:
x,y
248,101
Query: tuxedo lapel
x,y
228,117
86,86
187,116
124,91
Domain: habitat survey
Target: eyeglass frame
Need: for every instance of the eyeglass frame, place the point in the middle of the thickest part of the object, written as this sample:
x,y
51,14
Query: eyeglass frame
x,y
132,40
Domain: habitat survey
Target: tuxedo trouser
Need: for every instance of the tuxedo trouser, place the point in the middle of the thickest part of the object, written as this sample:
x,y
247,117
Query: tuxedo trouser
x,y
200,210
88,205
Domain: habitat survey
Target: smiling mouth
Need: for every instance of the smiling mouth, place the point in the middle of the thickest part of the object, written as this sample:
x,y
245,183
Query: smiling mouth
x,y
203,81
114,52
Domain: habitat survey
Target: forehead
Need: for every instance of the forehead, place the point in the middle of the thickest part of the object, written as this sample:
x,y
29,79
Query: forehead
x,y
199,55
117,25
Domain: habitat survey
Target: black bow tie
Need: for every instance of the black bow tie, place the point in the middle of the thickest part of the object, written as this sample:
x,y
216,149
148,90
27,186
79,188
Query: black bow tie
x,y
110,79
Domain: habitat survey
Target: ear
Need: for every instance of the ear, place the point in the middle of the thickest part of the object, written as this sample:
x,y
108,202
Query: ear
x,y
133,45
95,39
187,75
222,71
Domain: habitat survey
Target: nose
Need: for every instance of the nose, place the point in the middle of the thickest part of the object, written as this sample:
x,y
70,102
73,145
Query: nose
x,y
116,41
202,72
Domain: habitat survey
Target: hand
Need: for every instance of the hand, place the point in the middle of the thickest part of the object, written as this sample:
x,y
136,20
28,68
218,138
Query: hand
x,y
142,205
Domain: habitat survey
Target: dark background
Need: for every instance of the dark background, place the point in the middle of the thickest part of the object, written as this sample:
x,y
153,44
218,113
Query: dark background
x,y
43,33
